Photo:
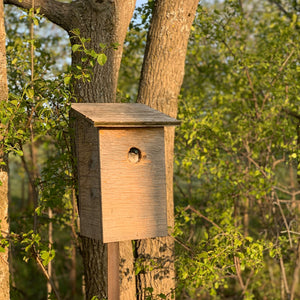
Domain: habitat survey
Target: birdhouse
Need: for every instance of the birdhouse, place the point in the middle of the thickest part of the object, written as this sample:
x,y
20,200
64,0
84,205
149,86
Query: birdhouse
x,y
120,152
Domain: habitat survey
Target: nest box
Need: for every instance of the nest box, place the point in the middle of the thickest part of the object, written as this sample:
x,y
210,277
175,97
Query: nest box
x,y
120,152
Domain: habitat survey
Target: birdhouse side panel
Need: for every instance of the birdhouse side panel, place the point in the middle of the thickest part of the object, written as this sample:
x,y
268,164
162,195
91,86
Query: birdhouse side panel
x,y
87,149
133,183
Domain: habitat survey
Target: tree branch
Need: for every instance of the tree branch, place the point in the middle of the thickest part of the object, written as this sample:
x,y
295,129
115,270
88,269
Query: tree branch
x,y
55,11
44,271
202,216
281,8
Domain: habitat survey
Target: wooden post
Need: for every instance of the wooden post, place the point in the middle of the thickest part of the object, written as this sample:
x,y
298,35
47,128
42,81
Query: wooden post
x,y
113,271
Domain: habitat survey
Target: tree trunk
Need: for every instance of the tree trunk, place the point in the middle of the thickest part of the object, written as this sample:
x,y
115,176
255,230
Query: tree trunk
x,y
161,79
107,23
4,266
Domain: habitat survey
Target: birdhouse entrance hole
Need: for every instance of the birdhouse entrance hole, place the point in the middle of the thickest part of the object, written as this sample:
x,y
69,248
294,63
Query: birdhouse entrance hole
x,y
134,155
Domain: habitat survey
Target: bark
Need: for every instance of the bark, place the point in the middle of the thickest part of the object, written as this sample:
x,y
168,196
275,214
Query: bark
x,y
4,266
161,79
106,25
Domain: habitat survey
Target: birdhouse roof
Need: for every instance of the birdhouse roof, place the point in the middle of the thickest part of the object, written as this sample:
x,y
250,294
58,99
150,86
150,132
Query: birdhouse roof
x,y
123,115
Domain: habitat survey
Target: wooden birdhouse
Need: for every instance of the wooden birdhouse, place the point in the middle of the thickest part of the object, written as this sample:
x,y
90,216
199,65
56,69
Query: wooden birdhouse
x,y
121,170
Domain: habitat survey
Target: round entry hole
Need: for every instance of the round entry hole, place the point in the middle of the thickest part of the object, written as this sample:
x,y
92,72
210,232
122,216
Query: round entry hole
x,y
134,155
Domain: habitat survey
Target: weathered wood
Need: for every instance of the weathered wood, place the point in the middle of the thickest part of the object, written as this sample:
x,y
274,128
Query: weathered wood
x,y
121,171
123,115
133,193
113,271
88,168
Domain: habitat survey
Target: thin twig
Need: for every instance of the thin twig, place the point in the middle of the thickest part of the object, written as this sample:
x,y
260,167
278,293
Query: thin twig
x,y
278,4
238,271
180,189
248,281
44,271
286,286
202,216
296,273
286,191
292,232
288,201
182,244
278,161
256,165
284,220
276,77
253,90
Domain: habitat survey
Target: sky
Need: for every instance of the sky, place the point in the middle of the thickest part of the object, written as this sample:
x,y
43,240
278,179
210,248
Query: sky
x,y
140,2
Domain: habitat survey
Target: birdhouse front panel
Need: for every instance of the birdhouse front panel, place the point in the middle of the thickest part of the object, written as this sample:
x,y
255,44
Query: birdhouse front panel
x,y
133,183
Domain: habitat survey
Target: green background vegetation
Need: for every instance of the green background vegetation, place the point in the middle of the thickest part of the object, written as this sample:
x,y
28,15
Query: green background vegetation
x,y
237,172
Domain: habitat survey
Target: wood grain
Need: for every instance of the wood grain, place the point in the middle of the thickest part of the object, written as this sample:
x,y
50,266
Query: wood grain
x,y
133,194
88,165
120,198
113,271
122,115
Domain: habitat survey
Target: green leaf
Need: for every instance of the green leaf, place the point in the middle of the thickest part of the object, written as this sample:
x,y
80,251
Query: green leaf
x,y
101,59
102,46
29,93
18,152
67,80
76,47
47,256
92,53
75,31
14,102
35,21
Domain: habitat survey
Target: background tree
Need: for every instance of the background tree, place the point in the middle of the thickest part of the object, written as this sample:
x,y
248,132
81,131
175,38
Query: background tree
x,y
4,267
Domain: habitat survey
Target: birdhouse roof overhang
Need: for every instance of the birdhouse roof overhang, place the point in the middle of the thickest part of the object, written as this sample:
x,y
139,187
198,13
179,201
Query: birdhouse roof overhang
x,y
123,115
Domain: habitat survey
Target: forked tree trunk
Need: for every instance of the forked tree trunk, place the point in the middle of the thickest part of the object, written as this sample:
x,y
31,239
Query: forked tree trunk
x,y
160,83
4,267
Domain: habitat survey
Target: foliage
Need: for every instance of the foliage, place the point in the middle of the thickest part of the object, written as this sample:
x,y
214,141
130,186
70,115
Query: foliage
x,y
237,151
35,130
37,135
237,155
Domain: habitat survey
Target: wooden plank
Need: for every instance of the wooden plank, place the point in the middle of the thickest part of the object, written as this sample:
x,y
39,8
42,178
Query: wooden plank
x,y
87,150
113,278
133,194
122,115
